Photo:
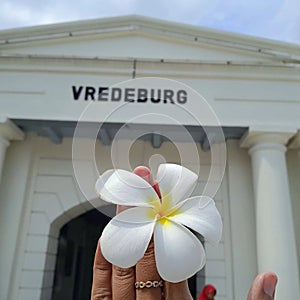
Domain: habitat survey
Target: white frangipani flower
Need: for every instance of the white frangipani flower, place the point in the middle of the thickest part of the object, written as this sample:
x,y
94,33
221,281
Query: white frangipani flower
x,y
178,252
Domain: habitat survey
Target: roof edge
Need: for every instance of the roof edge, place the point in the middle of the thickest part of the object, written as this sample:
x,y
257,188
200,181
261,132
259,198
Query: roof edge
x,y
139,22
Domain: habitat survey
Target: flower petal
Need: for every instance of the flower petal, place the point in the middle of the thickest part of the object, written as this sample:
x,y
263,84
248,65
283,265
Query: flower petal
x,y
200,214
178,252
125,188
175,182
137,215
123,244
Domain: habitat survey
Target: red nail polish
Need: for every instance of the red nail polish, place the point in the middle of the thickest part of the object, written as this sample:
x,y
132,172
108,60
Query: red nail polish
x,y
145,173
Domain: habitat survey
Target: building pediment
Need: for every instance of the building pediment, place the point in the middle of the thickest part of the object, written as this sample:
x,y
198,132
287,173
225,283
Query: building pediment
x,y
143,38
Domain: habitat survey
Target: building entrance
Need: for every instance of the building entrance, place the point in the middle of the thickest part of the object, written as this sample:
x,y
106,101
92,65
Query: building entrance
x,y
74,264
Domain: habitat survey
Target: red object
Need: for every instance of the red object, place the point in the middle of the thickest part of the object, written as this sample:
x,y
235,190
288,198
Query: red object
x,y
146,174
208,293
156,188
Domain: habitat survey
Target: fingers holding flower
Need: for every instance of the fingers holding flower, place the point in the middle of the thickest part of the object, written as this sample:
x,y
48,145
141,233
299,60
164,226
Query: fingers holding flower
x,y
178,252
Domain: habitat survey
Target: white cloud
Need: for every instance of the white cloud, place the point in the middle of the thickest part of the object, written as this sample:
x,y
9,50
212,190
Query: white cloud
x,y
286,23
17,14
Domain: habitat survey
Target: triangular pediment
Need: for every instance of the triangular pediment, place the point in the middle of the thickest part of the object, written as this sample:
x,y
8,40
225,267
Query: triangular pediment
x,y
140,37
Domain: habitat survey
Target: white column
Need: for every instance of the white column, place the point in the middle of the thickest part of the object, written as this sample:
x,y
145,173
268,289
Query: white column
x,y
4,143
275,237
9,224
8,131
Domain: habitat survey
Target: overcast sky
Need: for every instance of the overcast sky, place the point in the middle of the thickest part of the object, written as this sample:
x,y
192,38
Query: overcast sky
x,y
275,19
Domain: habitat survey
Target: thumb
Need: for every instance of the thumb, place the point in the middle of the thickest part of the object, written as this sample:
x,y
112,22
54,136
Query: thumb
x,y
263,287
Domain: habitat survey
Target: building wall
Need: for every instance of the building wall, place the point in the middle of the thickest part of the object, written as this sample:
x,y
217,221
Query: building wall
x,y
50,198
16,178
39,194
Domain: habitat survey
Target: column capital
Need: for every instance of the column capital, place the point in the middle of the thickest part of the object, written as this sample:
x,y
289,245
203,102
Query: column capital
x,y
295,142
9,131
258,136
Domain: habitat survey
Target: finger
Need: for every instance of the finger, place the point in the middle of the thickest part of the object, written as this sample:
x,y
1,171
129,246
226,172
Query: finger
x,y
120,208
123,283
177,291
101,287
145,173
146,271
263,287
146,268
123,280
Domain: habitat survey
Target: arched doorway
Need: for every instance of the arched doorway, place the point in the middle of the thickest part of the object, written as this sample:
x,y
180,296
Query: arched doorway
x,y
76,248
74,264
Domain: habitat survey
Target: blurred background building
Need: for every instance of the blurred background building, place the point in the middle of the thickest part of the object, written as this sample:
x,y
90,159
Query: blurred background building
x,y
48,76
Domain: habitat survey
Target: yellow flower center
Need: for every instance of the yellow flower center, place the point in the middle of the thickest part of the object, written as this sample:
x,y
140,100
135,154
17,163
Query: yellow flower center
x,y
163,210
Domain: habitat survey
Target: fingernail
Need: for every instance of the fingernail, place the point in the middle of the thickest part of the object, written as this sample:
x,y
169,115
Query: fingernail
x,y
145,173
270,285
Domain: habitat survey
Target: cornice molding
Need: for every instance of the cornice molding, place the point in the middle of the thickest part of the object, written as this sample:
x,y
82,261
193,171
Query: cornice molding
x,y
9,131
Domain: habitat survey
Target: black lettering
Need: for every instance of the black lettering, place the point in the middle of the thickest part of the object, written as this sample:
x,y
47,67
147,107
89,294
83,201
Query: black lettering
x,y
142,95
168,95
158,96
76,92
89,93
181,96
103,94
116,94
129,92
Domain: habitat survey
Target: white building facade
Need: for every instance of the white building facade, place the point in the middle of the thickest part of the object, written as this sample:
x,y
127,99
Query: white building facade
x,y
50,74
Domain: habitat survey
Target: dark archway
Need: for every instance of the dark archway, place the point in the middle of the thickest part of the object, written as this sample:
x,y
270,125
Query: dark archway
x,y
74,264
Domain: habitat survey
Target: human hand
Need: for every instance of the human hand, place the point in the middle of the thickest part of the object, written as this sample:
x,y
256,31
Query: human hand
x,y
263,287
111,282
